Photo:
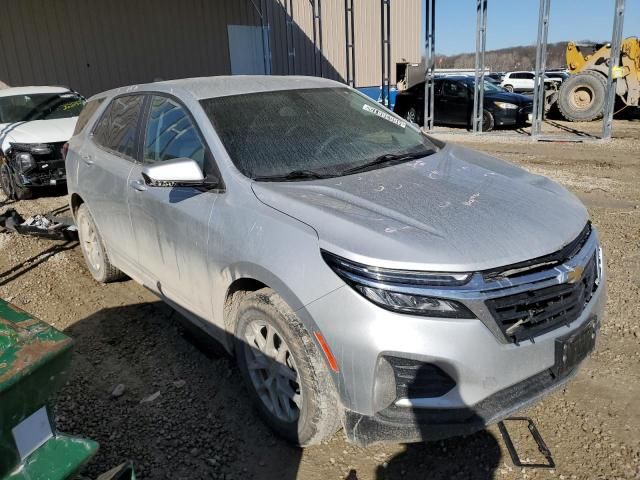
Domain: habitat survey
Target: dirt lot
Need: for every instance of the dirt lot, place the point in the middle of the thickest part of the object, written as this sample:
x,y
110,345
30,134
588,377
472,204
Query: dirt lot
x,y
200,424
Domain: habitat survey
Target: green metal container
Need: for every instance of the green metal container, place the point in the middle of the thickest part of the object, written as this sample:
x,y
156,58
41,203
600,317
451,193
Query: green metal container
x,y
34,363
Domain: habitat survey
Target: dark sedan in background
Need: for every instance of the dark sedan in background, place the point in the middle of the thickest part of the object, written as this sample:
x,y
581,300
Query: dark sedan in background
x,y
454,104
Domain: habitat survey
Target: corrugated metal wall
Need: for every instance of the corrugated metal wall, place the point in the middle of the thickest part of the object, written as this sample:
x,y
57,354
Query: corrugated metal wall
x,y
94,45
405,37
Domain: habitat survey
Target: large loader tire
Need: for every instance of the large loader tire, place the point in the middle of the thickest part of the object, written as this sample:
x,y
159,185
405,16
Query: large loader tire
x,y
581,97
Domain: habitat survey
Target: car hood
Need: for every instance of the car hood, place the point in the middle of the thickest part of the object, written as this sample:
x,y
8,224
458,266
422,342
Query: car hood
x,y
37,131
456,210
514,98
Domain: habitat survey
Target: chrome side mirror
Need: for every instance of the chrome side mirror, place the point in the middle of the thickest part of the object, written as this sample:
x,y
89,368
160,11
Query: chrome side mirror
x,y
176,172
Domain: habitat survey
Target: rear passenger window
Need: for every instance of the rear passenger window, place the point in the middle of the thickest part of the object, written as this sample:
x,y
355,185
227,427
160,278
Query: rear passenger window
x,y
86,113
171,134
117,128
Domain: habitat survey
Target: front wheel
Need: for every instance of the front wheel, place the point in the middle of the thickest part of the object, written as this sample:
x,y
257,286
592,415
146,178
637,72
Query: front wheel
x,y
581,97
5,182
508,88
488,122
283,370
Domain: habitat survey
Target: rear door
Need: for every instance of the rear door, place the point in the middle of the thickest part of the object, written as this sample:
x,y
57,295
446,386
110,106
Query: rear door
x,y
105,163
171,223
454,102
527,81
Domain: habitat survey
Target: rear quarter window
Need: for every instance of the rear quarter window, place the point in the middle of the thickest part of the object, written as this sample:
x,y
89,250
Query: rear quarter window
x,y
86,113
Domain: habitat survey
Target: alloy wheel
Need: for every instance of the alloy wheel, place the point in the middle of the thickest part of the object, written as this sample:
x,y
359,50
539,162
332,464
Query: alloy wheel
x,y
272,370
412,115
90,243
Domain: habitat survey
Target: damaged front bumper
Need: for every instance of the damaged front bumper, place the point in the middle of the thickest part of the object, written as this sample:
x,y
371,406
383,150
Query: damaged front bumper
x,y
405,425
407,378
38,165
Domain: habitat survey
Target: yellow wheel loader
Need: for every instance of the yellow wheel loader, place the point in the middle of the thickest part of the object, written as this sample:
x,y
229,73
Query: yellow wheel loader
x,y
582,96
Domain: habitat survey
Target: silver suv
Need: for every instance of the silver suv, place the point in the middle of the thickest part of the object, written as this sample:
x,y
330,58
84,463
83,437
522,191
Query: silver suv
x,y
363,274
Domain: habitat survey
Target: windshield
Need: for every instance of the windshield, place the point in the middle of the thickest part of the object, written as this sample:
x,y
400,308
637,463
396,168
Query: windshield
x,y
488,86
40,106
320,130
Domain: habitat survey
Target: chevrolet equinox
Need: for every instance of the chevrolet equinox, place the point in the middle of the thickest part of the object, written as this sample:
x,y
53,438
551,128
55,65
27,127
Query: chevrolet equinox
x,y
363,274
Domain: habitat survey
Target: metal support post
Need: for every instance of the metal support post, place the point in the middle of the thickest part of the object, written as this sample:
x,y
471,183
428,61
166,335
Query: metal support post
x,y
481,42
616,40
541,61
291,46
350,46
385,50
317,36
429,51
263,13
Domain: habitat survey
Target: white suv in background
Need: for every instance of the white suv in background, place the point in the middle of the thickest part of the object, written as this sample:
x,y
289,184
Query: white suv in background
x,y
521,81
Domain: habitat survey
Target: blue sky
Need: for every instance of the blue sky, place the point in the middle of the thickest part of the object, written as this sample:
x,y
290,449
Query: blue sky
x,y
515,22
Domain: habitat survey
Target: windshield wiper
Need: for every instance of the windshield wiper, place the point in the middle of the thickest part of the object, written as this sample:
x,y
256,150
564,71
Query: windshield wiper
x,y
386,158
293,175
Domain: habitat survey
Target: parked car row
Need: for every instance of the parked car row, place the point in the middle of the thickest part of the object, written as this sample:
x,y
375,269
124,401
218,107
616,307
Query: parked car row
x,y
362,273
453,104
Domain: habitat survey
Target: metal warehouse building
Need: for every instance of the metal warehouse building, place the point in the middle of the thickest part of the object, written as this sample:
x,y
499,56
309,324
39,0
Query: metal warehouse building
x,y
94,45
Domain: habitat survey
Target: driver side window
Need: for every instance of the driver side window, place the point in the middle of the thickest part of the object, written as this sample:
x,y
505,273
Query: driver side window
x,y
171,134
454,89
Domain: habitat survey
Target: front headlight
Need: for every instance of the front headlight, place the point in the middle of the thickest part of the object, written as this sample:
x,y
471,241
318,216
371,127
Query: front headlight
x,y
505,105
396,289
25,161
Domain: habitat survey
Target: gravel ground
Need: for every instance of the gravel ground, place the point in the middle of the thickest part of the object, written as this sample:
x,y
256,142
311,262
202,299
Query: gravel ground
x,y
151,392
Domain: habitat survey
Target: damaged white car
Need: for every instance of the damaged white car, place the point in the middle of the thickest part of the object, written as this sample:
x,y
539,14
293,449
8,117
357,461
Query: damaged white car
x,y
35,123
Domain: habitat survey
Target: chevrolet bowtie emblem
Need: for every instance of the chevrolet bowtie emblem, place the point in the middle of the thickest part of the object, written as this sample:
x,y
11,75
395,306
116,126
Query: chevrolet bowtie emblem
x,y
575,275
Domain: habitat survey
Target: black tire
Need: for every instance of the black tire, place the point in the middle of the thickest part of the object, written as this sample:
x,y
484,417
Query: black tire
x,y
6,182
509,88
318,415
97,260
581,97
414,116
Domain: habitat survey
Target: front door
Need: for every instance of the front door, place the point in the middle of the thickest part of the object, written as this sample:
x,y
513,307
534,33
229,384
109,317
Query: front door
x,y
171,223
103,171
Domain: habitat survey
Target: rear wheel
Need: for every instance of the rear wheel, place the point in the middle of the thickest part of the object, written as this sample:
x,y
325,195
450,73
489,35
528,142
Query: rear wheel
x,y
581,97
508,88
283,370
412,116
93,249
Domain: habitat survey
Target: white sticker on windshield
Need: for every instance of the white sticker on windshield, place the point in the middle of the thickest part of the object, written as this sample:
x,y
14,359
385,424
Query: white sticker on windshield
x,y
386,116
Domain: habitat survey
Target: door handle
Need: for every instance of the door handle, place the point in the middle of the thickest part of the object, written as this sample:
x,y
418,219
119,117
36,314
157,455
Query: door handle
x,y
138,185
87,159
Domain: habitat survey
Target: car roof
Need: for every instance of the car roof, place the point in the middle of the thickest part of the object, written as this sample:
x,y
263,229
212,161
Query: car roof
x,y
455,77
226,85
8,92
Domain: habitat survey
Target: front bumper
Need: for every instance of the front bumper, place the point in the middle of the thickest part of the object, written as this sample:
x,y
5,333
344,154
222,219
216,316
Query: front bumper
x,y
493,376
511,118
43,177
